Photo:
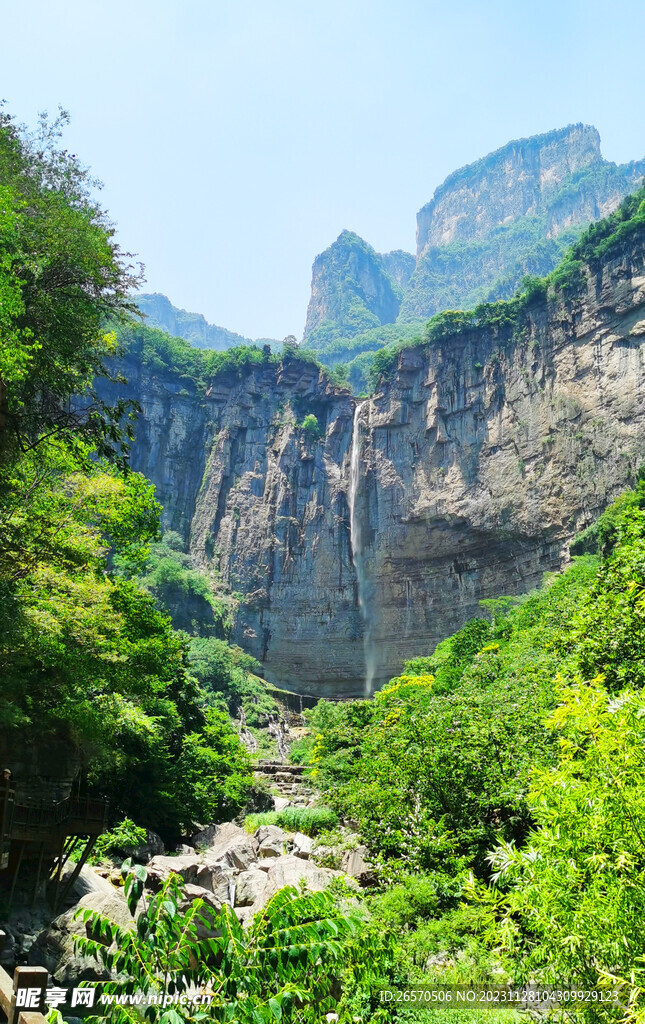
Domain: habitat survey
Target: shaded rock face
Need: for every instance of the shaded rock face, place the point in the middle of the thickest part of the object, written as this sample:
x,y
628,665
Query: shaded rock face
x,y
478,462
399,265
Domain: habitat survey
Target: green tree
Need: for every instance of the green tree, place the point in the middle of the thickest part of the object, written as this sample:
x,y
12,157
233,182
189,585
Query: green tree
x,y
62,276
571,901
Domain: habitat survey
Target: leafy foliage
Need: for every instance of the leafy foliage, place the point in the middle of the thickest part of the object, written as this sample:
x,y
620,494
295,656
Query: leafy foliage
x,y
310,427
123,835
85,656
573,898
285,966
61,276
195,601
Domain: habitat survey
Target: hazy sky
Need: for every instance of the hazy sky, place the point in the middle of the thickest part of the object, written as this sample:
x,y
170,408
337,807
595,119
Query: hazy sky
x,y
237,138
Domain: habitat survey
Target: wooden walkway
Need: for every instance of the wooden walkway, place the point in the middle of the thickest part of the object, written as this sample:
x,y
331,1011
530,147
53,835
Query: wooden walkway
x,y
48,833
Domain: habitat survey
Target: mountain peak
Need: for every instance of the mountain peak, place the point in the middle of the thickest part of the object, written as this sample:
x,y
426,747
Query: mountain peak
x,y
513,181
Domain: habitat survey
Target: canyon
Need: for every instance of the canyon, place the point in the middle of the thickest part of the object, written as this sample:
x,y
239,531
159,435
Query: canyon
x,y
474,465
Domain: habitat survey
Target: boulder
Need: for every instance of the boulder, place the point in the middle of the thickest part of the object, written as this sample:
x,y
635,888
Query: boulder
x,y
355,865
244,914
290,870
183,849
210,911
217,878
88,881
54,947
142,853
302,845
204,837
160,867
280,802
272,841
249,886
232,846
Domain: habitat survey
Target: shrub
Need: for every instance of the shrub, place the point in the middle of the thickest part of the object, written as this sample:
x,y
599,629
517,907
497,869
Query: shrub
x,y
122,837
254,821
310,427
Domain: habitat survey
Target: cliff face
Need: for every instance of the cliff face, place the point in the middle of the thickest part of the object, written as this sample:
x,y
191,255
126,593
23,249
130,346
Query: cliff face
x,y
351,290
512,182
511,214
476,465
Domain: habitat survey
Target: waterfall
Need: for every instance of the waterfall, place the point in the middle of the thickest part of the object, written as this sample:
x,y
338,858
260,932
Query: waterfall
x,y
356,541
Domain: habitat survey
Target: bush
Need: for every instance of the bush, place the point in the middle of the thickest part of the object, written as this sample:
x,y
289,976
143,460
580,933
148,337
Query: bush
x,y
254,821
311,428
122,837
310,820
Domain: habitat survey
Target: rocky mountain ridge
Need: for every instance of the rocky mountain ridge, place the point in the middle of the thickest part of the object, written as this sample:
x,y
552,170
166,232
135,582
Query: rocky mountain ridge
x,y
159,312
510,214
478,461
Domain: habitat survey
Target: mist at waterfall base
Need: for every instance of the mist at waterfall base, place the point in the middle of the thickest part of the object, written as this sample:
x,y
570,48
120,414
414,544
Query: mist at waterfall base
x,y
358,559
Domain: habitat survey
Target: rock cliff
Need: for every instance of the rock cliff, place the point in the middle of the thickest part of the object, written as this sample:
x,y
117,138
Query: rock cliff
x,y
514,181
478,461
351,289
510,214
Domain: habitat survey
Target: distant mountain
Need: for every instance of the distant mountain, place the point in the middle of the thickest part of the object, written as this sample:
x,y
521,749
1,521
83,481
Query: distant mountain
x,y
352,290
193,327
512,213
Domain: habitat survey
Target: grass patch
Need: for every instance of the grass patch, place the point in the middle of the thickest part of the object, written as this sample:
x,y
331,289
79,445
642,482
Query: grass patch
x,y
308,820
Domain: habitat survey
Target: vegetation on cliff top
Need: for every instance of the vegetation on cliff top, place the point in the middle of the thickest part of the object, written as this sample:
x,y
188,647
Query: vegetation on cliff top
x,y
197,367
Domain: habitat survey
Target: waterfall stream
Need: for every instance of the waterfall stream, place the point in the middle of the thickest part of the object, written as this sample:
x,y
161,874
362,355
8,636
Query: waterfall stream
x,y
358,560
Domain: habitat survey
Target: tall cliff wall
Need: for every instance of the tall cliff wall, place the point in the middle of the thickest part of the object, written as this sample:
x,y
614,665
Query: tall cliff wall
x,y
479,461
514,181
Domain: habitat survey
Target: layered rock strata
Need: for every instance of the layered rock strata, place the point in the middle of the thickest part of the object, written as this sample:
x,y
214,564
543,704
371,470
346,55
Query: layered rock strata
x,y
478,462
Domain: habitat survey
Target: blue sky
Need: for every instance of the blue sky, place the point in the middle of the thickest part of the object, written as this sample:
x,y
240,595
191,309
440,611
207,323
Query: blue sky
x,y
237,138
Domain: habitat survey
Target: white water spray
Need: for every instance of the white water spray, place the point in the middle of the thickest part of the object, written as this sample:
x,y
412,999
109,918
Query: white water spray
x,y
356,540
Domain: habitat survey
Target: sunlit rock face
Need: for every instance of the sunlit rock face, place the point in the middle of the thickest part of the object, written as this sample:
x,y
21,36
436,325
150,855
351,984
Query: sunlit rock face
x,y
478,462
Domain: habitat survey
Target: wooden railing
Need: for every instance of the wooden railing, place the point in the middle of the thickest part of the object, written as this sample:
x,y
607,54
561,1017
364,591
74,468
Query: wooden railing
x,y
73,816
24,978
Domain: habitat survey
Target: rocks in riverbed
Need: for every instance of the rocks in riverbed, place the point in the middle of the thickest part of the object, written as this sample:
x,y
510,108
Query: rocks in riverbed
x,y
272,841
233,846
160,867
302,845
234,867
290,870
249,887
54,947
208,913
216,878
355,865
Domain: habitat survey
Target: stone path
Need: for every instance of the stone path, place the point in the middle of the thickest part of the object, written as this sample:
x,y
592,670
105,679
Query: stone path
x,y
294,790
